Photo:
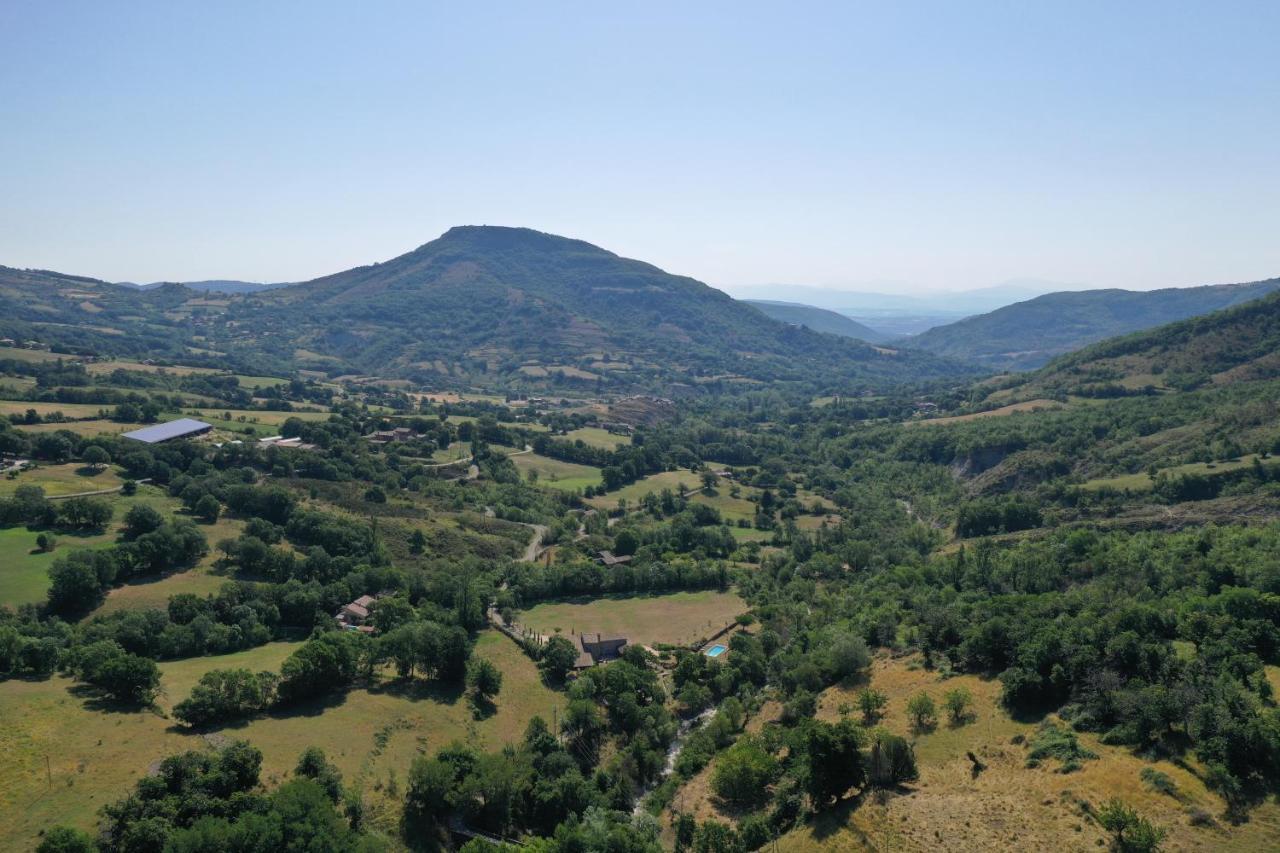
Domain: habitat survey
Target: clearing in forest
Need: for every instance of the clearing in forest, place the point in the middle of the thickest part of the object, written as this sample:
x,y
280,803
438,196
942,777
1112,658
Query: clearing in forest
x,y
678,618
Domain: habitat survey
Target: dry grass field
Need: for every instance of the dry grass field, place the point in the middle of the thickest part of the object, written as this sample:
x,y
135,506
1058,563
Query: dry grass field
x,y
680,618
1009,806
1013,408
95,756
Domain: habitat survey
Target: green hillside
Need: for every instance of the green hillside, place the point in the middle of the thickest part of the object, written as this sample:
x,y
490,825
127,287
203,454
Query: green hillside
x,y
1029,334
1226,347
480,305
818,319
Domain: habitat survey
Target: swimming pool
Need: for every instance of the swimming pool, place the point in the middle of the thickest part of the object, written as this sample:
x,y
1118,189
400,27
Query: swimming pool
x,y
716,651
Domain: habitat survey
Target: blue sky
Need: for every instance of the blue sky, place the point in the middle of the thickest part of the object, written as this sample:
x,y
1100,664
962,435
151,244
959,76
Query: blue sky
x,y
928,145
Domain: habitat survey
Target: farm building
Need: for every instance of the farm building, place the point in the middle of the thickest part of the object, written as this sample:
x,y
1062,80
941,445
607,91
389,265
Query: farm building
x,y
169,431
598,649
608,558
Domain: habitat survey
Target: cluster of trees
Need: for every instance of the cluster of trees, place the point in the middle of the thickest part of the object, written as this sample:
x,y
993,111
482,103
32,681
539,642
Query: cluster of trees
x,y
80,579
201,802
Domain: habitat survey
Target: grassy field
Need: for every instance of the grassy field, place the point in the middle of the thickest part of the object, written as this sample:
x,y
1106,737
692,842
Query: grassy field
x,y
731,508
67,479
680,618
596,437
1142,482
253,383
71,410
95,756
101,367
24,571
555,474
88,429
1008,806
653,483
1013,408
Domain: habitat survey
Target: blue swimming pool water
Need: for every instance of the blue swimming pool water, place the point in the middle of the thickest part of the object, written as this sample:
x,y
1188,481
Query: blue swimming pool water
x,y
715,651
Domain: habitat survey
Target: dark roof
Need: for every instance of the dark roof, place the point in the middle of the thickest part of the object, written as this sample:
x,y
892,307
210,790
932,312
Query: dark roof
x,y
170,430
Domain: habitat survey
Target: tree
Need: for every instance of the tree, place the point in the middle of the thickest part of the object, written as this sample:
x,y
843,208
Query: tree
x,y
558,658
227,694
625,543
871,702
313,765
63,839
426,803
129,488
834,760
207,509
1130,832
417,542
891,762
957,703
848,656
46,542
140,520
96,457
744,772
74,588
484,680
922,711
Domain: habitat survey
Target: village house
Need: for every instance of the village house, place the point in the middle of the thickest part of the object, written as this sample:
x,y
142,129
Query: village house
x,y
352,617
598,649
385,436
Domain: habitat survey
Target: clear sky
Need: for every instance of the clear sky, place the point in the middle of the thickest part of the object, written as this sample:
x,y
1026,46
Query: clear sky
x,y
1132,144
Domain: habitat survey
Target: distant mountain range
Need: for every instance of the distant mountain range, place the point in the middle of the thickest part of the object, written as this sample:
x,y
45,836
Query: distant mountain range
x,y
1026,335
819,319
213,285
480,305
904,313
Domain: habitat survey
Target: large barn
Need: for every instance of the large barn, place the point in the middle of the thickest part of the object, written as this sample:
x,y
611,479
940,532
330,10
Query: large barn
x,y
169,431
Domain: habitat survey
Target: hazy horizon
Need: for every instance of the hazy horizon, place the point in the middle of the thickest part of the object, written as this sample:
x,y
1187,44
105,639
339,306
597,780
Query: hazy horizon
x,y
937,148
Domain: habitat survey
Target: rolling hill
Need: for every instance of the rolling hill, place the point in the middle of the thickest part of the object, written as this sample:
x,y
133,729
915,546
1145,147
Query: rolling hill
x,y
1237,344
479,305
818,319
1029,334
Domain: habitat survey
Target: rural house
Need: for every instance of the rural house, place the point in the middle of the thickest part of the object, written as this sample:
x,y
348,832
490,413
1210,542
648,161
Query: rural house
x,y
598,649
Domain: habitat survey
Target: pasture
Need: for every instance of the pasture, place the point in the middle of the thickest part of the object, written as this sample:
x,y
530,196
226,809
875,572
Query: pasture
x,y
371,733
552,473
597,437
654,483
66,479
1011,409
678,618
1142,481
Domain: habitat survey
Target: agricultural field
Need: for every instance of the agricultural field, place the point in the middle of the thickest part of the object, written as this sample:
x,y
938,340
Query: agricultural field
x,y
680,618
597,437
731,508
632,493
70,410
552,473
372,734
88,429
100,368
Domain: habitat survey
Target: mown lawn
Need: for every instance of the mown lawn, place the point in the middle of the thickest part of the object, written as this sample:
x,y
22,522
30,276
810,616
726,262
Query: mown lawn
x,y
680,618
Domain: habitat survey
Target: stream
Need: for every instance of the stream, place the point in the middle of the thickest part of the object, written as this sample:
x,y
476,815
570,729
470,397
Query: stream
x,y
673,752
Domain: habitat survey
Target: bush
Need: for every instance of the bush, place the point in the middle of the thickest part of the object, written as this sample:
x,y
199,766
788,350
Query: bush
x,y
1130,832
923,712
892,761
958,702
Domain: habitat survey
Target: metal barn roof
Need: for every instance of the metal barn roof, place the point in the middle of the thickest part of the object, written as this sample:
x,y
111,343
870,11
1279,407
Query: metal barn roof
x,y
169,430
